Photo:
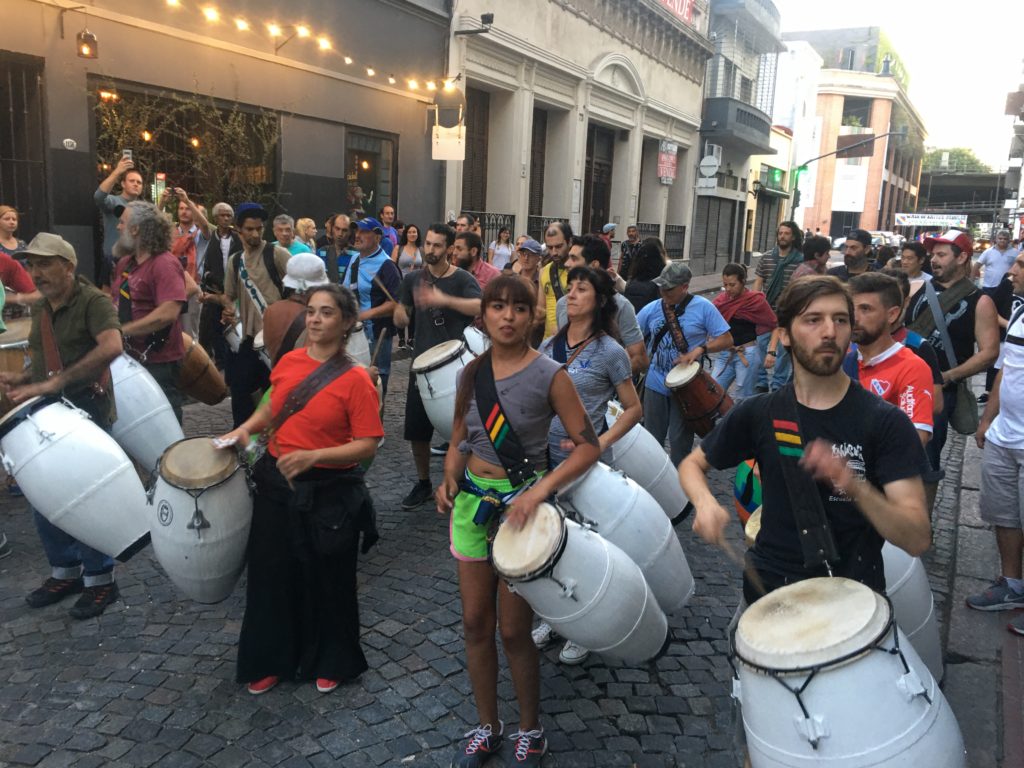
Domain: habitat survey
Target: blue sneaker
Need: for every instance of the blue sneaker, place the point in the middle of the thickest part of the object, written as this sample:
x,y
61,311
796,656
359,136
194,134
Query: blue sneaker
x,y
529,747
483,744
998,597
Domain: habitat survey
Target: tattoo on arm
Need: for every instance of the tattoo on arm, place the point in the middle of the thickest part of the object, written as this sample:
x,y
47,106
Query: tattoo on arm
x,y
588,435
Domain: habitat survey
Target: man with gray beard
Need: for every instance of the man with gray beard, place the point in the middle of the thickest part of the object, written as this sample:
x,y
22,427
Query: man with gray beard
x,y
148,289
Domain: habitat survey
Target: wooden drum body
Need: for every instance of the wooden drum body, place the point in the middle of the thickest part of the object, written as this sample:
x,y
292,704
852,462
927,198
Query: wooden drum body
x,y
199,377
700,398
14,354
586,588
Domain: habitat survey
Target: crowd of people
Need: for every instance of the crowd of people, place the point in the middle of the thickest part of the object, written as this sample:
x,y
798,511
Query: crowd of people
x,y
862,366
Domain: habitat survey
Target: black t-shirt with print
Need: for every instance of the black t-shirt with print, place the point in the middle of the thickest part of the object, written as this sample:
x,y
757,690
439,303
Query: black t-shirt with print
x,y
878,441
959,321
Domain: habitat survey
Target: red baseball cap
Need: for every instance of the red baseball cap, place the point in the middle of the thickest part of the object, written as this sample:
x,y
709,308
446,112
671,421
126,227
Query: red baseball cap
x,y
956,237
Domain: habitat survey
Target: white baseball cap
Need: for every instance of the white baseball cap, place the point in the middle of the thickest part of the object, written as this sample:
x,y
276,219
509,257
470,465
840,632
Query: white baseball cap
x,y
305,271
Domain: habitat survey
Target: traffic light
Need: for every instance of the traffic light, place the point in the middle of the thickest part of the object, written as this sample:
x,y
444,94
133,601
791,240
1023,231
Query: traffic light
x,y
776,178
796,198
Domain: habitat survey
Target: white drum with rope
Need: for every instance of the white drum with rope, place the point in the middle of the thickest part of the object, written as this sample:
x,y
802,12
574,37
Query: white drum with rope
x,y
906,584
586,588
145,423
477,342
628,516
436,372
75,475
826,678
358,346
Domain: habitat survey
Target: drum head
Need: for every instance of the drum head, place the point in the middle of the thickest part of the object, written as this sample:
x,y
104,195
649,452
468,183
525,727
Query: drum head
x,y
16,334
518,554
438,355
811,623
17,415
681,375
194,464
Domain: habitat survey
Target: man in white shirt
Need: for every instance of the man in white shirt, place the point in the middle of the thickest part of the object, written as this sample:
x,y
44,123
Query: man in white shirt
x,y
1001,437
996,262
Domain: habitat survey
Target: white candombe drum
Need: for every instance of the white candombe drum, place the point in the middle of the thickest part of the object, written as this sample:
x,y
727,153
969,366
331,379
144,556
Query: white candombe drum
x,y
233,336
145,424
639,456
586,588
906,584
358,346
261,350
477,342
629,517
437,372
76,476
864,705
199,518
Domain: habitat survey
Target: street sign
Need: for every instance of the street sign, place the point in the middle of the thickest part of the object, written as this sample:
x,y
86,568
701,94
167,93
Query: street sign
x,y
709,166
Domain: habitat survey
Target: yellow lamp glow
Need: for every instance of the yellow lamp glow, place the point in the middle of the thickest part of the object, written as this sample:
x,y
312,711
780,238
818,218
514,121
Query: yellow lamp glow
x,y
370,71
391,80
194,142
242,25
348,59
413,85
147,136
274,30
212,14
431,85
324,43
302,30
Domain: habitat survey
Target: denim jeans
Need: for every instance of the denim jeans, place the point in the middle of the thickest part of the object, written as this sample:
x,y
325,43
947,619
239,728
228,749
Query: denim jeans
x,y
68,557
781,373
728,367
939,434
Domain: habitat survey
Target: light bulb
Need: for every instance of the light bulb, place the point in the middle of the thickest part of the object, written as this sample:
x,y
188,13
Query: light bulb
x,y
302,30
242,25
212,14
324,43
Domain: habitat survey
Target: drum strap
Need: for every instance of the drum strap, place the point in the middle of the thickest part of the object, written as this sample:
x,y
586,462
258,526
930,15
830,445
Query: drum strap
x,y
52,359
560,347
306,390
291,336
556,281
816,540
499,430
673,325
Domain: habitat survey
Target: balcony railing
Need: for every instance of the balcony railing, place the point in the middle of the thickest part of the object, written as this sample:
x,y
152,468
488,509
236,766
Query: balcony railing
x,y
491,223
535,225
732,123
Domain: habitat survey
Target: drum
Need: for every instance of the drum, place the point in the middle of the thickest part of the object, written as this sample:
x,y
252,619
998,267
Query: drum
x,y
200,513
14,354
259,348
437,372
233,336
853,690
638,455
358,347
145,424
199,377
477,342
586,588
906,584
628,516
700,398
75,475
752,527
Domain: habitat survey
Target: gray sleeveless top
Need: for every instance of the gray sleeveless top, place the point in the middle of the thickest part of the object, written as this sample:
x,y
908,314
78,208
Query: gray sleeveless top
x,y
525,401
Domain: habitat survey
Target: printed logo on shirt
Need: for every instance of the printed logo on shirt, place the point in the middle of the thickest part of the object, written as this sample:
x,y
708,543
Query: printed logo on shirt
x,y
880,388
854,455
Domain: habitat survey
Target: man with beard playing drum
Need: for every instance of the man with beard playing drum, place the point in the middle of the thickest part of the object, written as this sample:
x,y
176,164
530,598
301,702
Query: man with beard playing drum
x,y
841,468
496,462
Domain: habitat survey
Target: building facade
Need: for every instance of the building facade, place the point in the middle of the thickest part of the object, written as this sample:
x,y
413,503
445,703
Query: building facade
x,y
769,201
796,109
739,94
585,111
320,89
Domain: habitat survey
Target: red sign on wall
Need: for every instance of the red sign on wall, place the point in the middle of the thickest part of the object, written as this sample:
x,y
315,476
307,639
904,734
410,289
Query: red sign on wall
x,y
667,161
681,9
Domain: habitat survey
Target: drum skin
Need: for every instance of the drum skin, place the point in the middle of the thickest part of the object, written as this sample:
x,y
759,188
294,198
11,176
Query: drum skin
x,y
629,517
77,477
596,596
700,398
145,424
199,377
906,584
437,382
203,563
14,354
638,455
863,711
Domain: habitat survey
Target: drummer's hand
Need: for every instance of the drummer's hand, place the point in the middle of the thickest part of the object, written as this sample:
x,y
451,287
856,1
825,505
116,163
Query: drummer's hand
x,y
227,316
709,523
690,357
445,495
374,372
295,463
523,506
820,461
769,361
209,298
236,438
20,394
427,296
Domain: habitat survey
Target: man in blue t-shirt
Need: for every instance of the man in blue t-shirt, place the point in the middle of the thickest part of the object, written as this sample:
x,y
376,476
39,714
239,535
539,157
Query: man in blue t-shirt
x,y
705,332
284,231
375,280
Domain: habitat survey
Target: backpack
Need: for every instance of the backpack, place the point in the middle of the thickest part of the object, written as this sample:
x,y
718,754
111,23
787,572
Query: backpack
x,y
268,262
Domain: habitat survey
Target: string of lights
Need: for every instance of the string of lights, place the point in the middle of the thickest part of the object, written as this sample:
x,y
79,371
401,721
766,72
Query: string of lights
x,y
281,34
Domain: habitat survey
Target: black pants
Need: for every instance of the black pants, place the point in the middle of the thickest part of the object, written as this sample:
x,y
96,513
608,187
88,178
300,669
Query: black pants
x,y
245,374
301,608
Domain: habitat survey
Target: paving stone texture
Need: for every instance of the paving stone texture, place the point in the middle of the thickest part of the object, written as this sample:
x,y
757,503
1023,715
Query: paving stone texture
x,y
151,682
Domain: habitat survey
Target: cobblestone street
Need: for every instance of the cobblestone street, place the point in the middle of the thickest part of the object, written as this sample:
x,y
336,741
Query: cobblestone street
x,y
151,682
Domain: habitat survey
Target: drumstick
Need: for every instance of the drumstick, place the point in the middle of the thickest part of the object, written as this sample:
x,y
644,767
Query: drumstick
x,y
376,349
755,578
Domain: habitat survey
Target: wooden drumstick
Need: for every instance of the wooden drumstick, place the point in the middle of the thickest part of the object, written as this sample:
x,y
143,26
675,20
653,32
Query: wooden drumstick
x,y
376,349
733,554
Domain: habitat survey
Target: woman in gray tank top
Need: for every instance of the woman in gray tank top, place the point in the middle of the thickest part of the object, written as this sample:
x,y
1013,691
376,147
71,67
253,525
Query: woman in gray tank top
x,y
407,254
532,389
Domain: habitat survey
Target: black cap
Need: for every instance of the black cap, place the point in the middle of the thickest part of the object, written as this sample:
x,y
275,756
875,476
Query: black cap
x,y
861,236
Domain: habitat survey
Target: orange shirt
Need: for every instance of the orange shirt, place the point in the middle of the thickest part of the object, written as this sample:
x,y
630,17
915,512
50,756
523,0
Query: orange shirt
x,y
900,377
347,409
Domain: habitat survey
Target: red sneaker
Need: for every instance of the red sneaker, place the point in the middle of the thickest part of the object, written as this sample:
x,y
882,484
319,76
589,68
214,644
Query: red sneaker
x,y
264,685
326,686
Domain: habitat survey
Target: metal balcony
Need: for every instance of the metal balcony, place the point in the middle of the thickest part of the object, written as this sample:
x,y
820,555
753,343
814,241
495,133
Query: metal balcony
x,y
736,125
759,21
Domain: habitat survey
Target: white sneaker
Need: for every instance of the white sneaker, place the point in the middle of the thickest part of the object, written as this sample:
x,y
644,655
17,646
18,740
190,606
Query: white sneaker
x,y
543,635
573,654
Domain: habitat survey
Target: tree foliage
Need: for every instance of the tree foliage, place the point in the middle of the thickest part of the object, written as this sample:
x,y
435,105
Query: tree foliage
x,y
961,159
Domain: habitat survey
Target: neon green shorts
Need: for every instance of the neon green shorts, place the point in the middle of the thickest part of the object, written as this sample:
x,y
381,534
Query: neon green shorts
x,y
469,540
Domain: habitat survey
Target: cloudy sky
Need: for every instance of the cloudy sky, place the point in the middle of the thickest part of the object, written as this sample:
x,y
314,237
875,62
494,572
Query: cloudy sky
x,y
962,57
